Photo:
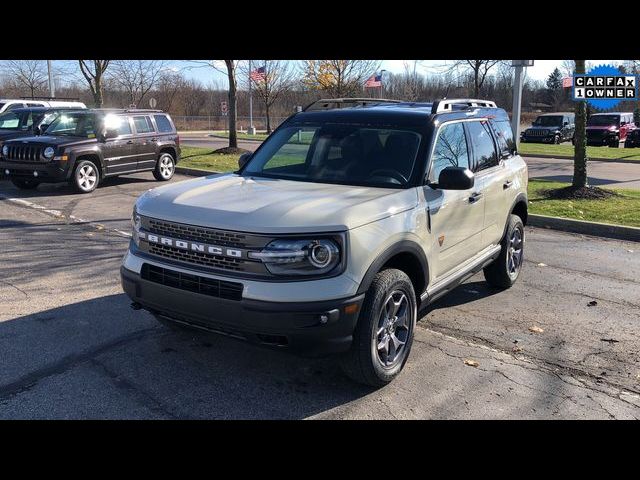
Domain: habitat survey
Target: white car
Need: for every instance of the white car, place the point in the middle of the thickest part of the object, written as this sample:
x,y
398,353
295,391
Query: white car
x,y
11,103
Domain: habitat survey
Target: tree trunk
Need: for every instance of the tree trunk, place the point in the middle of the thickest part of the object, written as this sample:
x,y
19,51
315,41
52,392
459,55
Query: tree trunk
x,y
233,110
266,109
580,153
476,82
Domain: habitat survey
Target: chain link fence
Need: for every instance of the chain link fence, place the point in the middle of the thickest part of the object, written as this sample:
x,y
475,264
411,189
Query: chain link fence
x,y
219,122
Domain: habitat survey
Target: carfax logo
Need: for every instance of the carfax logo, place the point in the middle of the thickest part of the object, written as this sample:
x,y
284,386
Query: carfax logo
x,y
604,87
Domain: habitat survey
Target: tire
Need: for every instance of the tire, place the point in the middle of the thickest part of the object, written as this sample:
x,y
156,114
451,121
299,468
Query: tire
x,y
86,176
629,145
615,143
364,362
573,141
165,167
502,273
557,140
25,183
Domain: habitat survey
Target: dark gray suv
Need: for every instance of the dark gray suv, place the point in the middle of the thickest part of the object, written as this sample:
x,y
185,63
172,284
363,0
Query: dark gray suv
x,y
85,146
551,128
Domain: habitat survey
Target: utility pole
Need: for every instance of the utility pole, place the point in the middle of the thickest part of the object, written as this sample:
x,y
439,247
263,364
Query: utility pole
x,y
52,88
252,130
517,97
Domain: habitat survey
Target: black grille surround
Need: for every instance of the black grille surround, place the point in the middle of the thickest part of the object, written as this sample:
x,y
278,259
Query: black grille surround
x,y
25,153
192,283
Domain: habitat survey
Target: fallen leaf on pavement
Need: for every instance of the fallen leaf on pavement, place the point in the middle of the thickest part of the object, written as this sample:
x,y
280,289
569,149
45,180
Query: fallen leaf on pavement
x,y
99,227
630,251
471,363
536,329
592,303
516,349
542,264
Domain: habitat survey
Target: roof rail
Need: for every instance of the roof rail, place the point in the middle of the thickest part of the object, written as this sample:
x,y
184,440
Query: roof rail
x,y
73,99
325,103
446,104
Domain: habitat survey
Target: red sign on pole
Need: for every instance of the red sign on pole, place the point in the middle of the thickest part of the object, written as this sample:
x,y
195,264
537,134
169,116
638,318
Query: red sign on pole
x,y
224,108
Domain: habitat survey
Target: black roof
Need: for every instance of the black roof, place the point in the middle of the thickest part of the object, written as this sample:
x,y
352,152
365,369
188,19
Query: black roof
x,y
402,113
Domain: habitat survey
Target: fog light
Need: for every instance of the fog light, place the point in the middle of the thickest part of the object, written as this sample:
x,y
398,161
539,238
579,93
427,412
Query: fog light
x,y
7,172
35,174
324,318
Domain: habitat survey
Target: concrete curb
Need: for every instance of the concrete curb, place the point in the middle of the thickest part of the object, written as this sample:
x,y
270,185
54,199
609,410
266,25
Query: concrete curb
x,y
239,139
566,157
618,232
194,172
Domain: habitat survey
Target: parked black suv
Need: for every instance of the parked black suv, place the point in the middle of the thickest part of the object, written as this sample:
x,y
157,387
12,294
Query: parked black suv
x,y
85,146
26,122
551,128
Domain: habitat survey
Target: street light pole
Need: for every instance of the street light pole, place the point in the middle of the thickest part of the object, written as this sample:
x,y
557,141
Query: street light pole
x,y
517,97
252,130
52,89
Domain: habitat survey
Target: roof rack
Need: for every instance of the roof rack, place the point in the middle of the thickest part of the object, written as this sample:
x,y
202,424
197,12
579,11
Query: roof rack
x,y
446,104
128,110
326,103
73,99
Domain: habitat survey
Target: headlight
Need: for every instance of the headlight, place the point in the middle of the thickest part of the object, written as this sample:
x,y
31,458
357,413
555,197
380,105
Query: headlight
x,y
5,150
300,256
135,226
49,152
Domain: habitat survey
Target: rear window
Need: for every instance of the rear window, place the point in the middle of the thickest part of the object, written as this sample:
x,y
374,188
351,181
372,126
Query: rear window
x,y
506,142
163,123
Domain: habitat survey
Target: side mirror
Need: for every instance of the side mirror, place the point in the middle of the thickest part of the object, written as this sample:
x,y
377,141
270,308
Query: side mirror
x,y
622,124
566,123
40,129
456,178
244,158
107,133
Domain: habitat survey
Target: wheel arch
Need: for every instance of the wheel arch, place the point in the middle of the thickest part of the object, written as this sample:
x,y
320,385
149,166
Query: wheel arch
x,y
405,255
87,155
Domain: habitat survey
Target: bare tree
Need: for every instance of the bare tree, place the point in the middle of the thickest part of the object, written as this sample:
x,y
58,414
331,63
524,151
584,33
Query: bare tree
x,y
278,77
137,77
338,78
29,74
93,72
478,69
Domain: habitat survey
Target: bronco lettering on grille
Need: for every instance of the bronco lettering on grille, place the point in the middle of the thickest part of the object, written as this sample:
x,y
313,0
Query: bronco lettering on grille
x,y
192,246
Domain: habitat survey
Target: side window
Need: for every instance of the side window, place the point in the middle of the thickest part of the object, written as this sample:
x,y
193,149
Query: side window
x,y
124,127
484,150
143,124
163,124
504,134
15,105
450,150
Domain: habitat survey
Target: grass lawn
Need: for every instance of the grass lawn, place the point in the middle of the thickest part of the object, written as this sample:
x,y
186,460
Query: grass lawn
x,y
620,210
203,159
592,152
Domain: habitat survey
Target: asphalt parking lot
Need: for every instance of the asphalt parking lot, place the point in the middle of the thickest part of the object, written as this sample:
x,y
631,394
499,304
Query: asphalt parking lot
x,y
72,347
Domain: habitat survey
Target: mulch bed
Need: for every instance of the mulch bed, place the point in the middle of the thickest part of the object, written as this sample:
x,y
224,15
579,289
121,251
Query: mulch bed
x,y
578,193
231,151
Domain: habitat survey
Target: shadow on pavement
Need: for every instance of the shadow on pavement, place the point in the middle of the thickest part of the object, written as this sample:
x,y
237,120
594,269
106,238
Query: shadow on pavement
x,y
100,359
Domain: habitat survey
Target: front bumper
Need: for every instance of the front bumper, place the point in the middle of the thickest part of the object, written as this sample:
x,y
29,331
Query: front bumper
x,y
298,327
53,171
605,138
537,139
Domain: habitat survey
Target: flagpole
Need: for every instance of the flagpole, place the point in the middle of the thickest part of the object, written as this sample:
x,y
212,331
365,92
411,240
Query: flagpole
x,y
252,130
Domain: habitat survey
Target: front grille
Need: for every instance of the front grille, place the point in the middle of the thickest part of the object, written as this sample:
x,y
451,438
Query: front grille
x,y
214,261
25,153
197,234
192,283
537,133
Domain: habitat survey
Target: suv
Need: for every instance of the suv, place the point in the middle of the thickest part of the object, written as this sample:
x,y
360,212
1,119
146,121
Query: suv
x,y
26,122
85,146
337,229
551,128
609,128
53,102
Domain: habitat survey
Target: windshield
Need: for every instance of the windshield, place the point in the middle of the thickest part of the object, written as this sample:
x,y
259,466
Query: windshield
x,y
338,153
603,120
73,125
16,120
548,121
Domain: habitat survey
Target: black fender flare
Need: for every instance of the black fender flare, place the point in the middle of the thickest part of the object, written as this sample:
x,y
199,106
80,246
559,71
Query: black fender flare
x,y
403,246
73,159
521,197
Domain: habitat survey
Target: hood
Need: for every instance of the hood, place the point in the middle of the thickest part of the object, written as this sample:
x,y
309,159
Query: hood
x,y
537,127
11,134
262,205
599,127
51,140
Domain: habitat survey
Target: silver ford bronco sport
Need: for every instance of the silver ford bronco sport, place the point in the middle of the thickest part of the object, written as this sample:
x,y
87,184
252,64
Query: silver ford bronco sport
x,y
331,236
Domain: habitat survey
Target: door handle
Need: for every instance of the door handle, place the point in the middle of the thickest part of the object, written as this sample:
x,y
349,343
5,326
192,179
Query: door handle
x,y
154,139
507,184
475,197
130,142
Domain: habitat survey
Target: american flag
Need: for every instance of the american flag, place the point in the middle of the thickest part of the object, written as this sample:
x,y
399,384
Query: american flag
x,y
258,75
567,82
374,81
